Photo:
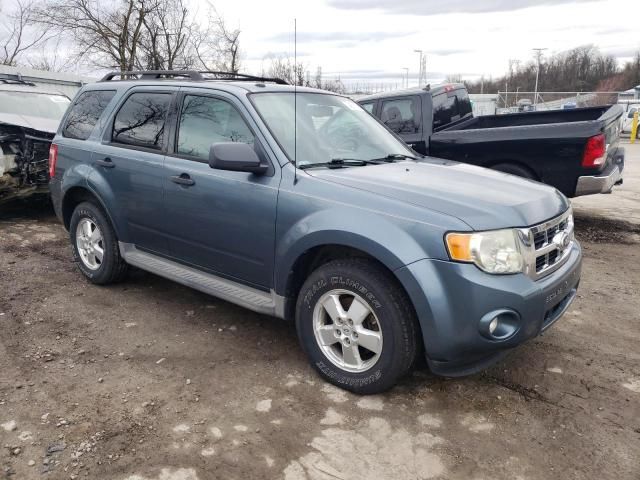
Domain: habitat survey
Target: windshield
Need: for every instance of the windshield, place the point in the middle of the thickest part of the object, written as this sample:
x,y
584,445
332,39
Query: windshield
x,y
329,127
33,104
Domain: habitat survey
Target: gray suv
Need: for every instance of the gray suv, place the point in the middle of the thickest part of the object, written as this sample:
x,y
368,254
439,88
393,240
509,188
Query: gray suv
x,y
301,205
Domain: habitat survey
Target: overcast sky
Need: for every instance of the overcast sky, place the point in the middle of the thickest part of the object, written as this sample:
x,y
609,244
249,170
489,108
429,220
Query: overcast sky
x,y
373,40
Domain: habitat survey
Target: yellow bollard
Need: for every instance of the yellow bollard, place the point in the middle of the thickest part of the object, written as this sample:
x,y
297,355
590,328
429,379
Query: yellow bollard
x,y
634,128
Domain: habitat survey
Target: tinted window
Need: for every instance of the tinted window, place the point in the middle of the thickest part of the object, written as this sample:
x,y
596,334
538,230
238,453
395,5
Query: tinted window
x,y
207,120
368,107
402,115
444,110
85,112
140,121
632,112
464,103
450,107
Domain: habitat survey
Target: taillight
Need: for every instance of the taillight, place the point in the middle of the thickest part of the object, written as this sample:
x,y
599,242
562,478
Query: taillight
x,y
53,159
595,152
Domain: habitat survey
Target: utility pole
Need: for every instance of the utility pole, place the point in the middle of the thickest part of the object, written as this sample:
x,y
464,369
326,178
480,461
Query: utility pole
x,y
406,70
420,67
538,57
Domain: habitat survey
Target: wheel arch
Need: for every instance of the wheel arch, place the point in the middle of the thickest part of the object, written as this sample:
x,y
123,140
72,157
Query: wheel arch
x,y
74,196
516,163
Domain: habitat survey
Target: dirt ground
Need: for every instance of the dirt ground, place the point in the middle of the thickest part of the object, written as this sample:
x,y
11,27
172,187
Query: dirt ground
x,y
149,380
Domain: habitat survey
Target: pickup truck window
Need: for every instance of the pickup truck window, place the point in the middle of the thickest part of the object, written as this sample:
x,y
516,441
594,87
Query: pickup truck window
x,y
402,115
450,107
85,112
368,107
207,120
140,121
328,127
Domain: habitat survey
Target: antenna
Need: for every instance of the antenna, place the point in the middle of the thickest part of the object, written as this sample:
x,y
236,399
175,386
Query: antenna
x,y
295,101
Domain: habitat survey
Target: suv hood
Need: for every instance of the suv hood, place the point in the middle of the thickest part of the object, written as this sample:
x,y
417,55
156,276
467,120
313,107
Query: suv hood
x,y
484,199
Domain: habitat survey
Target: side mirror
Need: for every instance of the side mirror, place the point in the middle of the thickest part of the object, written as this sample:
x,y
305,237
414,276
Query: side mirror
x,y
235,157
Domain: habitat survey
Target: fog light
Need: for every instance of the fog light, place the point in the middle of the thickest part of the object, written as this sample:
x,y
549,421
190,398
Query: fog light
x,y
499,324
493,325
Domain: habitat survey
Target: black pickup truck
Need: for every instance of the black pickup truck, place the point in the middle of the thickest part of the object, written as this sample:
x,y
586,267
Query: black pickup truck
x,y
575,150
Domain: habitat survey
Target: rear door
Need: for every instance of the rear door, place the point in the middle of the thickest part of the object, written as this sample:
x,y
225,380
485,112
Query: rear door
x,y
222,221
130,159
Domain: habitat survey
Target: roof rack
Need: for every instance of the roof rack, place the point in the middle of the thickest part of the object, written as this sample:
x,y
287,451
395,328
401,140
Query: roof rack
x,y
14,79
188,74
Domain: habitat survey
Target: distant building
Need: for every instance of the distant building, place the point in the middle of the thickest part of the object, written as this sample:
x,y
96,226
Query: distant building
x,y
64,83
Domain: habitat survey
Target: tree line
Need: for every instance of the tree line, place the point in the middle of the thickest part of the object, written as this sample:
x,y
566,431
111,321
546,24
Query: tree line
x,y
125,35
582,69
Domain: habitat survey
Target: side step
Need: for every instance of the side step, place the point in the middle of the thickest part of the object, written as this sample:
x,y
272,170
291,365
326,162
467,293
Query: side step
x,y
251,298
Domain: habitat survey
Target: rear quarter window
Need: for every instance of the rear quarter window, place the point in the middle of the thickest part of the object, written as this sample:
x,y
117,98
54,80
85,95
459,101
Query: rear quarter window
x,y
85,113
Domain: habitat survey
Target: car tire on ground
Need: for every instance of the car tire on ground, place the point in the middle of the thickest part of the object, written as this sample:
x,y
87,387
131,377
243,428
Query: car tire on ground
x,y
95,245
357,325
514,169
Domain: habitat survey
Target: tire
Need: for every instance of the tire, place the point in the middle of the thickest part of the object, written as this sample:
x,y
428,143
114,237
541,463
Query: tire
x,y
514,169
390,326
96,255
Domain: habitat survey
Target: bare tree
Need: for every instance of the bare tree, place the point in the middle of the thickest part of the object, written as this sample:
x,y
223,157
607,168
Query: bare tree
x,y
17,32
107,34
217,46
168,37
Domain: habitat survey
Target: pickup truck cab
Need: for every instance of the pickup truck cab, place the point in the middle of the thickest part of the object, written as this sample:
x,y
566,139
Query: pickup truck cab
x,y
298,204
574,150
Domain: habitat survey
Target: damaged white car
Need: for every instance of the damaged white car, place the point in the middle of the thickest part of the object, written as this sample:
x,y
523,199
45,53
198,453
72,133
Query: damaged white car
x,y
29,118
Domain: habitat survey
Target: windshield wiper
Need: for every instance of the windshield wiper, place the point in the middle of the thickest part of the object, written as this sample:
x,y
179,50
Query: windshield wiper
x,y
340,163
392,157
357,162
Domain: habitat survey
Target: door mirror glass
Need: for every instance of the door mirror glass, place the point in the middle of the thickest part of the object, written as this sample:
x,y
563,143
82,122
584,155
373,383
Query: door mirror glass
x,y
235,157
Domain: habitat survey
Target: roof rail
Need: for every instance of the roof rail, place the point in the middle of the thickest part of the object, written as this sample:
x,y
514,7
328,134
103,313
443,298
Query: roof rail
x,y
153,75
189,74
243,77
14,79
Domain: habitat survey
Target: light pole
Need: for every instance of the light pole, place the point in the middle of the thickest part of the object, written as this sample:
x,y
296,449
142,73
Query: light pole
x,y
407,76
419,67
538,57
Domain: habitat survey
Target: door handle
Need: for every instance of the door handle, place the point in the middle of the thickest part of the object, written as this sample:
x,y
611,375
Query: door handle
x,y
106,163
183,179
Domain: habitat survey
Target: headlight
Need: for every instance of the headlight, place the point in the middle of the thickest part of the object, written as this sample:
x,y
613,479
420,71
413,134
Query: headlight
x,y
496,251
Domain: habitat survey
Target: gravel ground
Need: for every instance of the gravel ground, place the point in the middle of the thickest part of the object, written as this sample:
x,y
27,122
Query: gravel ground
x,y
148,380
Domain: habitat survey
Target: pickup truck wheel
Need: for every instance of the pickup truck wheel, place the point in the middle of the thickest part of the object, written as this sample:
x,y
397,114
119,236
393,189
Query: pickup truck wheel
x,y
514,170
357,326
95,246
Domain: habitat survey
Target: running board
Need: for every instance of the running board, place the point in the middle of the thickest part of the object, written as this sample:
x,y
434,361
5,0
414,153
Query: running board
x,y
251,298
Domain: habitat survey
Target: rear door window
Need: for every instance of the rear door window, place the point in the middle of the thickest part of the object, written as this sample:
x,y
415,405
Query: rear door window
x,y
85,112
207,120
141,120
402,115
450,107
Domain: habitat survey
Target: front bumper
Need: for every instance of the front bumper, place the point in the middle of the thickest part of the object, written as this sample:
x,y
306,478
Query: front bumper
x,y
451,300
590,184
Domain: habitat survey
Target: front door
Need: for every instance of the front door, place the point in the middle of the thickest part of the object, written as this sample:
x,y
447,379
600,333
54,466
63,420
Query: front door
x,y
222,222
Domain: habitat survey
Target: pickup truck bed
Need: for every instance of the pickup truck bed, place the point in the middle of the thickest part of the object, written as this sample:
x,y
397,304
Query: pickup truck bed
x,y
547,146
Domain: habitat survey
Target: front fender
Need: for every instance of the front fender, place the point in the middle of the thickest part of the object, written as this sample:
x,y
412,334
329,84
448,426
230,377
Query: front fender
x,y
380,236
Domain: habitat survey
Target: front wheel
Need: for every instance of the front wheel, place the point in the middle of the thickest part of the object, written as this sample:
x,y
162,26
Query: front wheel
x,y
357,325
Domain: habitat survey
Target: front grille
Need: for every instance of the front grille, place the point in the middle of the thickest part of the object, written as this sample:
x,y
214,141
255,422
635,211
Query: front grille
x,y
549,251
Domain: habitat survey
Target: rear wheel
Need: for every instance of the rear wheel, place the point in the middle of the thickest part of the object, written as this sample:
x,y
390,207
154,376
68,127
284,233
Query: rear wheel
x,y
95,246
514,169
357,325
